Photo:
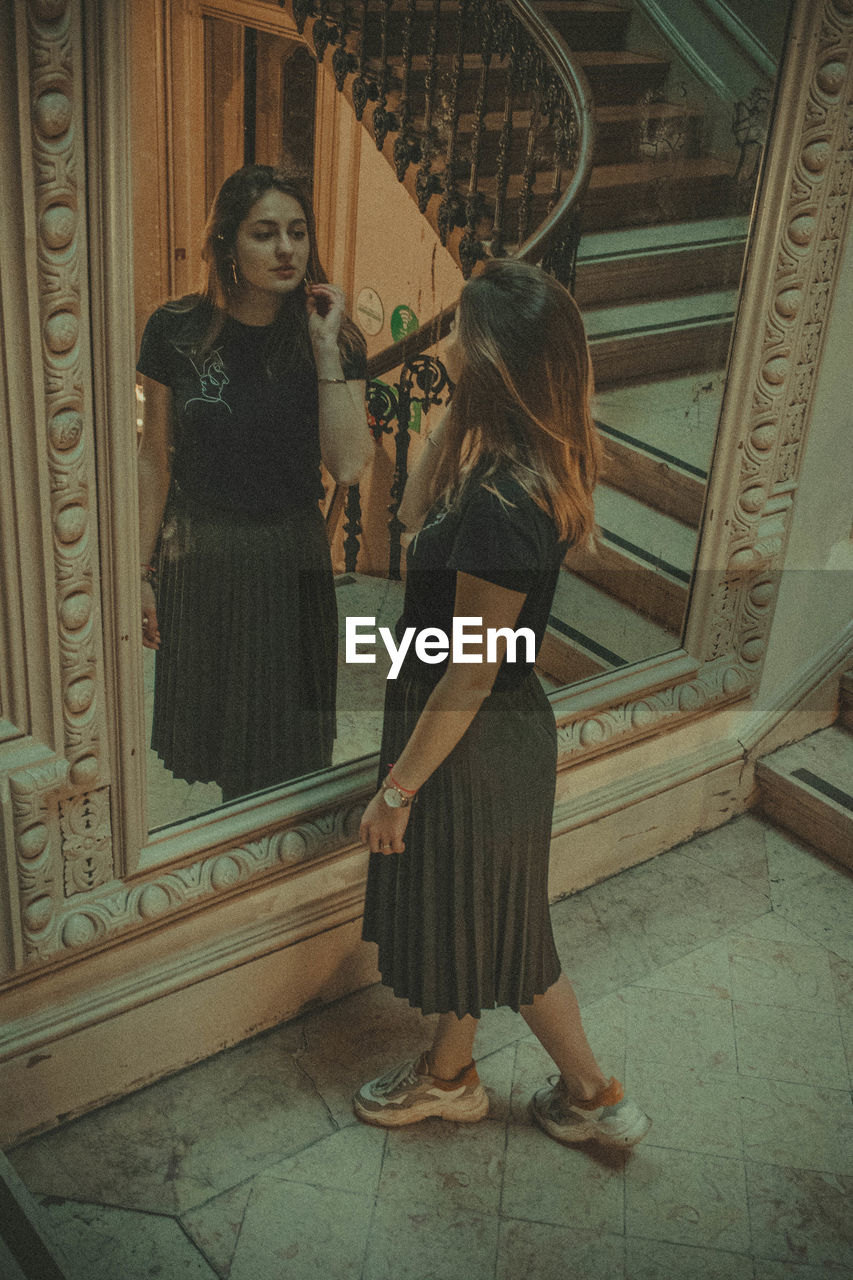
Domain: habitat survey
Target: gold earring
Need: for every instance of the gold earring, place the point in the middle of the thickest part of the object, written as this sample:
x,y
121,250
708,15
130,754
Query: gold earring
x,y
234,273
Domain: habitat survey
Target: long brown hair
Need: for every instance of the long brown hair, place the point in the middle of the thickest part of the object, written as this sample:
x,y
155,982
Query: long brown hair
x,y
206,311
522,398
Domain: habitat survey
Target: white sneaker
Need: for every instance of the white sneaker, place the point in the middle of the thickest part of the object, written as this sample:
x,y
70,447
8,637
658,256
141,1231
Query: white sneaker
x,y
408,1093
621,1124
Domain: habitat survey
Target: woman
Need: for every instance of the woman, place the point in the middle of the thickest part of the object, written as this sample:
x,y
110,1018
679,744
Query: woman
x,y
459,907
246,386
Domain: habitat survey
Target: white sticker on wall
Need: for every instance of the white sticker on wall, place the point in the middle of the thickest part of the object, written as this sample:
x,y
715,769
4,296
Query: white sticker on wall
x,y
369,311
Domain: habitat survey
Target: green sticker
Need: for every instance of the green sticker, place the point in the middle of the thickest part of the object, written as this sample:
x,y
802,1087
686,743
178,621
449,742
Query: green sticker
x,y
403,322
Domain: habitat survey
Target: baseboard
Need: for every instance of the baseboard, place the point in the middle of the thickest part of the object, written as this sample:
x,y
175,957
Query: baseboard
x,y
808,702
108,1059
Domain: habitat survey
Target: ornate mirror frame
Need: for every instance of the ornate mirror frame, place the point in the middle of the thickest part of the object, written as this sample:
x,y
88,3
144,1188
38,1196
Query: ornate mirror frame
x,y
82,871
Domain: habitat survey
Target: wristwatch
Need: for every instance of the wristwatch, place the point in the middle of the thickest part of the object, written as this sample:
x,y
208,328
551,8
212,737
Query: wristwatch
x,y
394,797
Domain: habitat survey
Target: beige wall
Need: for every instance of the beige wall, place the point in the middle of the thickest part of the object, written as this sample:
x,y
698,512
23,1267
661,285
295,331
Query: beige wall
x,y
816,590
397,253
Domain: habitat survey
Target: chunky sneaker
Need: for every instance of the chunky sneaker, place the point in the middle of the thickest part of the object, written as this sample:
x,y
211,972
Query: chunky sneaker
x,y
409,1093
609,1117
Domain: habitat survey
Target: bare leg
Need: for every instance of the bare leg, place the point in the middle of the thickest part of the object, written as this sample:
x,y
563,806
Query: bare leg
x,y
555,1020
452,1046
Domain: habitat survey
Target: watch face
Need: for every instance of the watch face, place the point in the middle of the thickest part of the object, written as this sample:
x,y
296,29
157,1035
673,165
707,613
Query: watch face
x,y
393,798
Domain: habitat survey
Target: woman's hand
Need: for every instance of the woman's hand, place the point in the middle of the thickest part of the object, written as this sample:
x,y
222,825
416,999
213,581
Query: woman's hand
x,y
150,630
326,307
382,827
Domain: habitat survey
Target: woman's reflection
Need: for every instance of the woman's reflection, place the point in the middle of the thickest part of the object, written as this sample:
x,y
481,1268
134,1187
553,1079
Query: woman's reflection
x,y
247,385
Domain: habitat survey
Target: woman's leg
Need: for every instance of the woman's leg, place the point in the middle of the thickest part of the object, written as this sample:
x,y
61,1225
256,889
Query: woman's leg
x,y
555,1020
452,1046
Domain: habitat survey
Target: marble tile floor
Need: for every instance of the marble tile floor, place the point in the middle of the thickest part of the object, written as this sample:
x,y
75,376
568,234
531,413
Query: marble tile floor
x,y
716,981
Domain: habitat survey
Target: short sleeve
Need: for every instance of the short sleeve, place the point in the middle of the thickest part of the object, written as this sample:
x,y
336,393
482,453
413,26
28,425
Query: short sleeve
x,y
355,365
500,543
156,353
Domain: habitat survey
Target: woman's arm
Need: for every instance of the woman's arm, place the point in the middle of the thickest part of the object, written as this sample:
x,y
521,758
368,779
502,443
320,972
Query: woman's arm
x,y
416,495
346,444
449,710
154,471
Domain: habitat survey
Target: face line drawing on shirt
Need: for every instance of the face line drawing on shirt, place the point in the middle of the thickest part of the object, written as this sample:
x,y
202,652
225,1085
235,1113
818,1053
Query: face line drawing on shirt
x,y
445,511
212,377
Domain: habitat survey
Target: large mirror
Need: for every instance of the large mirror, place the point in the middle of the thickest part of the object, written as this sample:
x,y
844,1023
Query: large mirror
x,y
682,100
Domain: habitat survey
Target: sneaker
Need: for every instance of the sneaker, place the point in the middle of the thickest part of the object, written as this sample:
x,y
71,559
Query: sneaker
x,y
409,1093
619,1123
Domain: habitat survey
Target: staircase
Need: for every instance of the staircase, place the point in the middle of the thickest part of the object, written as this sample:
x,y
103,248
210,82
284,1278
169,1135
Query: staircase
x,y
644,223
808,787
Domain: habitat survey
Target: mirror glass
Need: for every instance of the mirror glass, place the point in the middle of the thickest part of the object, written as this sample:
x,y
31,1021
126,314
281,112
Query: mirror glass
x,y
683,96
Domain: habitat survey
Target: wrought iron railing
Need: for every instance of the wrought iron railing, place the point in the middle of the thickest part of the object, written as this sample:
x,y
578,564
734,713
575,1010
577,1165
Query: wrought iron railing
x,y
509,182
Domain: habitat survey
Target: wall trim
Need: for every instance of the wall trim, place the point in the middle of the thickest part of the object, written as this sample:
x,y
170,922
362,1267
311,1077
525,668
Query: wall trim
x,y
655,12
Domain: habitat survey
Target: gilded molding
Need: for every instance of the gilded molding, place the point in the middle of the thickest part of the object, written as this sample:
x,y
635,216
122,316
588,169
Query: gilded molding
x,y
773,434
55,852
37,845
80,921
58,165
69,898
86,835
814,224
586,735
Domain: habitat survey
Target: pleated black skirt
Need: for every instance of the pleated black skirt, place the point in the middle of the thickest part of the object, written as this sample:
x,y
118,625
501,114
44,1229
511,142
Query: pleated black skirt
x,y
461,917
245,676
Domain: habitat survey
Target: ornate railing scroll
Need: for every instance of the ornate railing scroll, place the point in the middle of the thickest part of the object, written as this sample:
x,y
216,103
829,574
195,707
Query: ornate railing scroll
x,y
423,381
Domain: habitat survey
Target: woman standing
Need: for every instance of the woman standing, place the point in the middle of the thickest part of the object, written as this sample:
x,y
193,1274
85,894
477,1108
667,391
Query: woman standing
x,y
247,386
459,832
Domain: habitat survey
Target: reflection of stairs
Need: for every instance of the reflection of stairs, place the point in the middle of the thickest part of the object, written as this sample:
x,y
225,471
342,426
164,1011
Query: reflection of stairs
x,y
658,268
808,787
659,263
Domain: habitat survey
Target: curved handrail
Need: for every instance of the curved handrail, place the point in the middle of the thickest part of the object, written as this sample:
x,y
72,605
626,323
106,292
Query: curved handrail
x,y
574,81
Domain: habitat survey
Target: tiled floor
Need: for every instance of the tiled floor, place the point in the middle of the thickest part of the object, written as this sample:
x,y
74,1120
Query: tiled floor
x,y
716,980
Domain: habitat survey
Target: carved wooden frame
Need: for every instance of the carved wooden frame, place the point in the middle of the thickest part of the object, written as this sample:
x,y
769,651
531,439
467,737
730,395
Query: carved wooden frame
x,y
83,872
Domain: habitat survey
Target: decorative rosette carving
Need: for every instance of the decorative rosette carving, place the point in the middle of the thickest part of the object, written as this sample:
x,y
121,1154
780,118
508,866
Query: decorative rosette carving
x,y
54,66
54,924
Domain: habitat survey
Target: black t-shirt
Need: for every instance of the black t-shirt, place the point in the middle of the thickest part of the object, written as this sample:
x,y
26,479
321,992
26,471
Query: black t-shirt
x,y
507,540
243,440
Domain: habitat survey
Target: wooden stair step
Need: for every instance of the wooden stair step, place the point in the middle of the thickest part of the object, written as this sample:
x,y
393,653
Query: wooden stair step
x,y
647,589
658,483
608,176
683,347
643,558
490,142
673,418
626,195
469,83
627,132
638,263
808,789
584,26
590,631
622,76
845,693
692,187
631,194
